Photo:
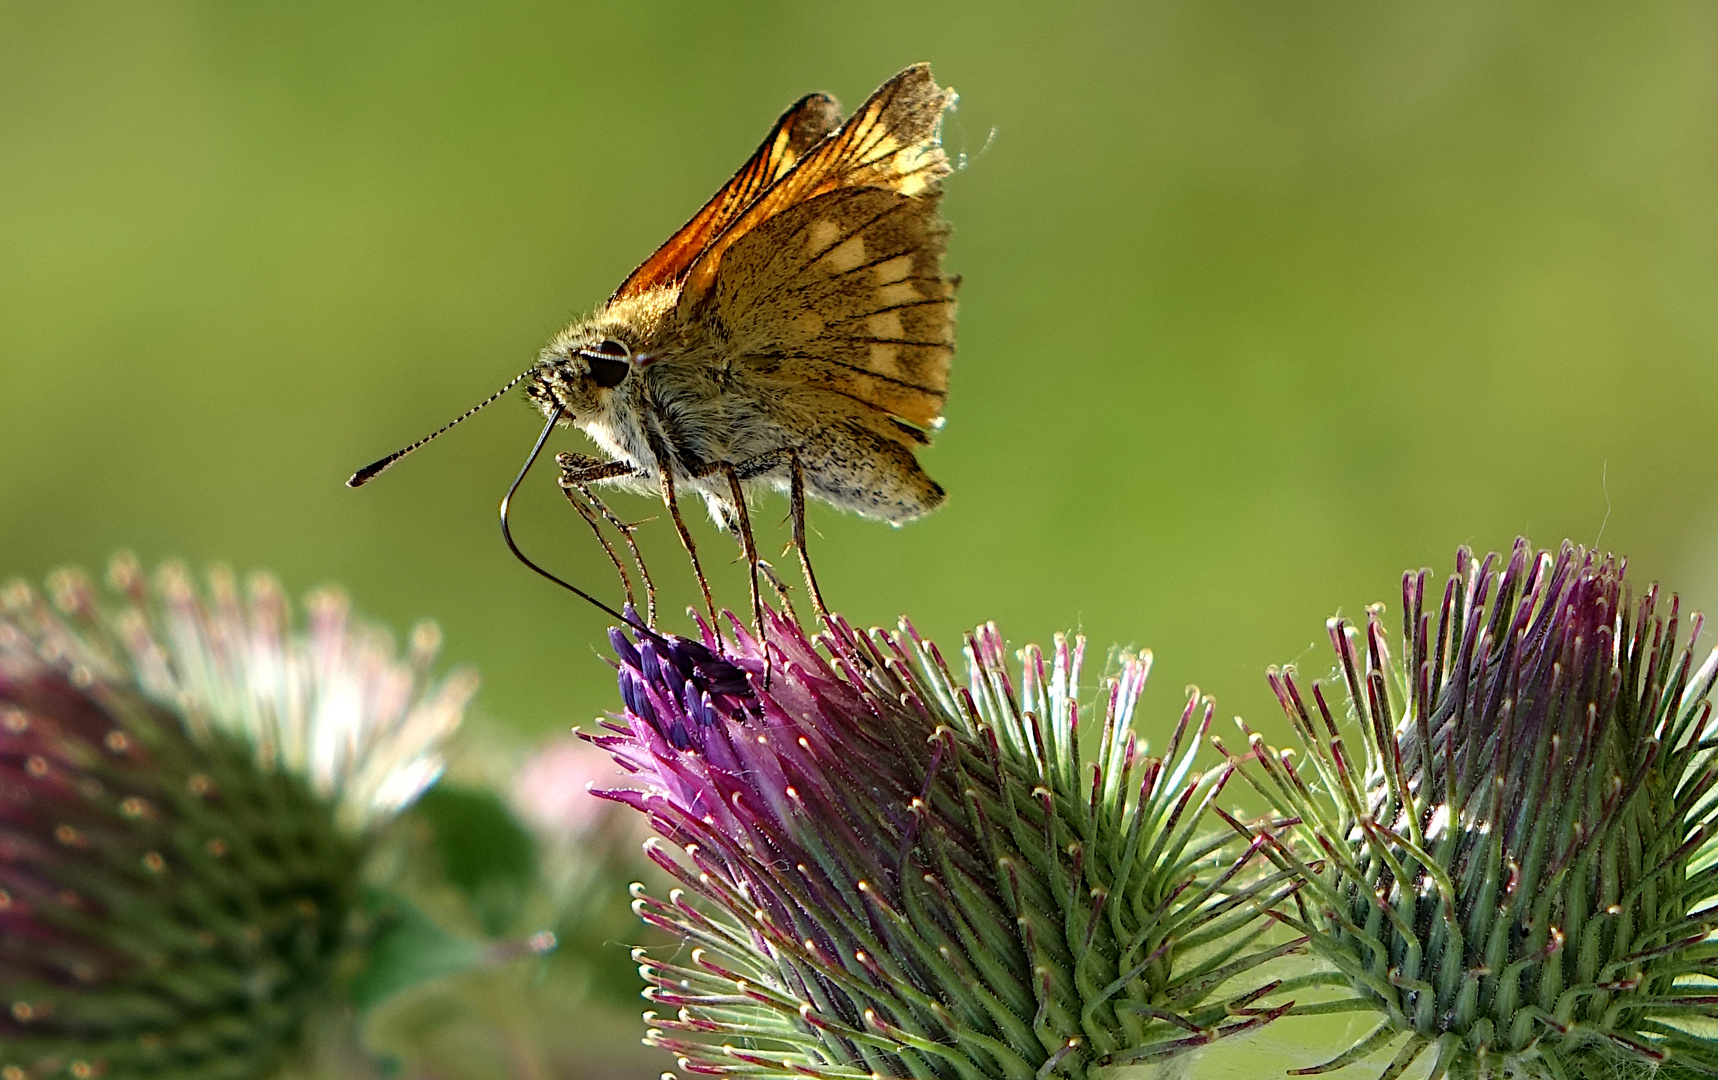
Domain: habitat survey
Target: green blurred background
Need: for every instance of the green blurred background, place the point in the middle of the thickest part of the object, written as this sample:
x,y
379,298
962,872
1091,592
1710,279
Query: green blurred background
x,y
1263,304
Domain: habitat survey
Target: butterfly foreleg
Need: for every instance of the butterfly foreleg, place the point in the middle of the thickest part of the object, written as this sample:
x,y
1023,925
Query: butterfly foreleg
x,y
578,472
573,492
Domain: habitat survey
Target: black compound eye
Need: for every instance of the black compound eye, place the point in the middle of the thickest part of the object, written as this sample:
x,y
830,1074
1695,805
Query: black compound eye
x,y
610,361
608,373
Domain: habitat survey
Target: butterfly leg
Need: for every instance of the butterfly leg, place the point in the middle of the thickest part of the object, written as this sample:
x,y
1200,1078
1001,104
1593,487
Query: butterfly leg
x,y
748,544
578,472
737,520
627,530
767,463
796,504
781,593
763,464
573,493
665,477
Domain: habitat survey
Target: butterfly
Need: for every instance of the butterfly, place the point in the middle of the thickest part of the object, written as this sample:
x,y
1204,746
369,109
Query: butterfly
x,y
796,335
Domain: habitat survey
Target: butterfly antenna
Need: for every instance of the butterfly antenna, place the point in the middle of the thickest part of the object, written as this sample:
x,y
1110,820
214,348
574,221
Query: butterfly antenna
x,y
376,468
631,620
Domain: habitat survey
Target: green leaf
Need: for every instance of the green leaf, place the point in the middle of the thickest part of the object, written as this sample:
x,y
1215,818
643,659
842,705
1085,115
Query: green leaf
x,y
408,948
484,851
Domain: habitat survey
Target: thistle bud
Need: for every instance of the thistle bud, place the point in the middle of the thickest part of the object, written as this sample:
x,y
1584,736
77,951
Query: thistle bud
x,y
188,791
889,871
1506,840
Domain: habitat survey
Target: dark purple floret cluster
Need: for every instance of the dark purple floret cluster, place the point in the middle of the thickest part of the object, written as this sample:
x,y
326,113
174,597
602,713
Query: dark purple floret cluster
x,y
710,686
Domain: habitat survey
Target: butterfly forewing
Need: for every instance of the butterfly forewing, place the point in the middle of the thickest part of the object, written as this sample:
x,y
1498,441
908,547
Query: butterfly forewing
x,y
890,143
800,128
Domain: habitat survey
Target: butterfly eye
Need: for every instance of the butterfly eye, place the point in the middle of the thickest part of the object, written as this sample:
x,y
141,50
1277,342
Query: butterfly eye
x,y
609,361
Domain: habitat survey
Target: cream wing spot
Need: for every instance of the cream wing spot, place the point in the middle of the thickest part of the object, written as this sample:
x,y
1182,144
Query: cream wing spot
x,y
885,359
923,174
900,293
887,146
847,255
885,324
823,234
892,270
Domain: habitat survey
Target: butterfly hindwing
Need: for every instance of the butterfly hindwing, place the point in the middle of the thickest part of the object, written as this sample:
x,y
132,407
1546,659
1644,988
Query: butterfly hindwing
x,y
845,293
800,128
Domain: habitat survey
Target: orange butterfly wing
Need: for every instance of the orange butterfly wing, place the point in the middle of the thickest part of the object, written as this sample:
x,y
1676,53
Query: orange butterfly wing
x,y
801,127
891,142
831,280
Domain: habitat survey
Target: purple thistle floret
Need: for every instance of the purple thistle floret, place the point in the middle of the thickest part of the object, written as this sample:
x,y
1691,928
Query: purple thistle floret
x,y
887,872
188,792
1520,872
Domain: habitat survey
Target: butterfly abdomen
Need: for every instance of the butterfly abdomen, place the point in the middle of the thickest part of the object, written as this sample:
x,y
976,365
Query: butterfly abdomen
x,y
872,477
856,458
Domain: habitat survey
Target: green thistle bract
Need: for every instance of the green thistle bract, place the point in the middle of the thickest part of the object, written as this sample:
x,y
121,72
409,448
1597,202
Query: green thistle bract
x,y
891,872
1519,872
188,790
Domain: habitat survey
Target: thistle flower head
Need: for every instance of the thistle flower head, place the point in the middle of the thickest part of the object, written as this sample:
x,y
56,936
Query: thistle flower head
x,y
1508,845
887,871
188,788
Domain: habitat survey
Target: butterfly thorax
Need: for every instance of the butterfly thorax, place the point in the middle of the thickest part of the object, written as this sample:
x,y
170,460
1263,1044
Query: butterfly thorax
x,y
655,389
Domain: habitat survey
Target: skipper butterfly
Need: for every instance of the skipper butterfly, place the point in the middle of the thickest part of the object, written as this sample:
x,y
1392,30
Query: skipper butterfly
x,y
795,335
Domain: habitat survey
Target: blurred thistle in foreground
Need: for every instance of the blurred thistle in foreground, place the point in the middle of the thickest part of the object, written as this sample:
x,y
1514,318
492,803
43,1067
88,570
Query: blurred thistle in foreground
x,y
583,841
891,873
1519,874
188,791
588,851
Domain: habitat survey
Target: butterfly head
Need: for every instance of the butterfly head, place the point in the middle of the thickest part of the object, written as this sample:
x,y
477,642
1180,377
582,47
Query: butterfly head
x,y
582,371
